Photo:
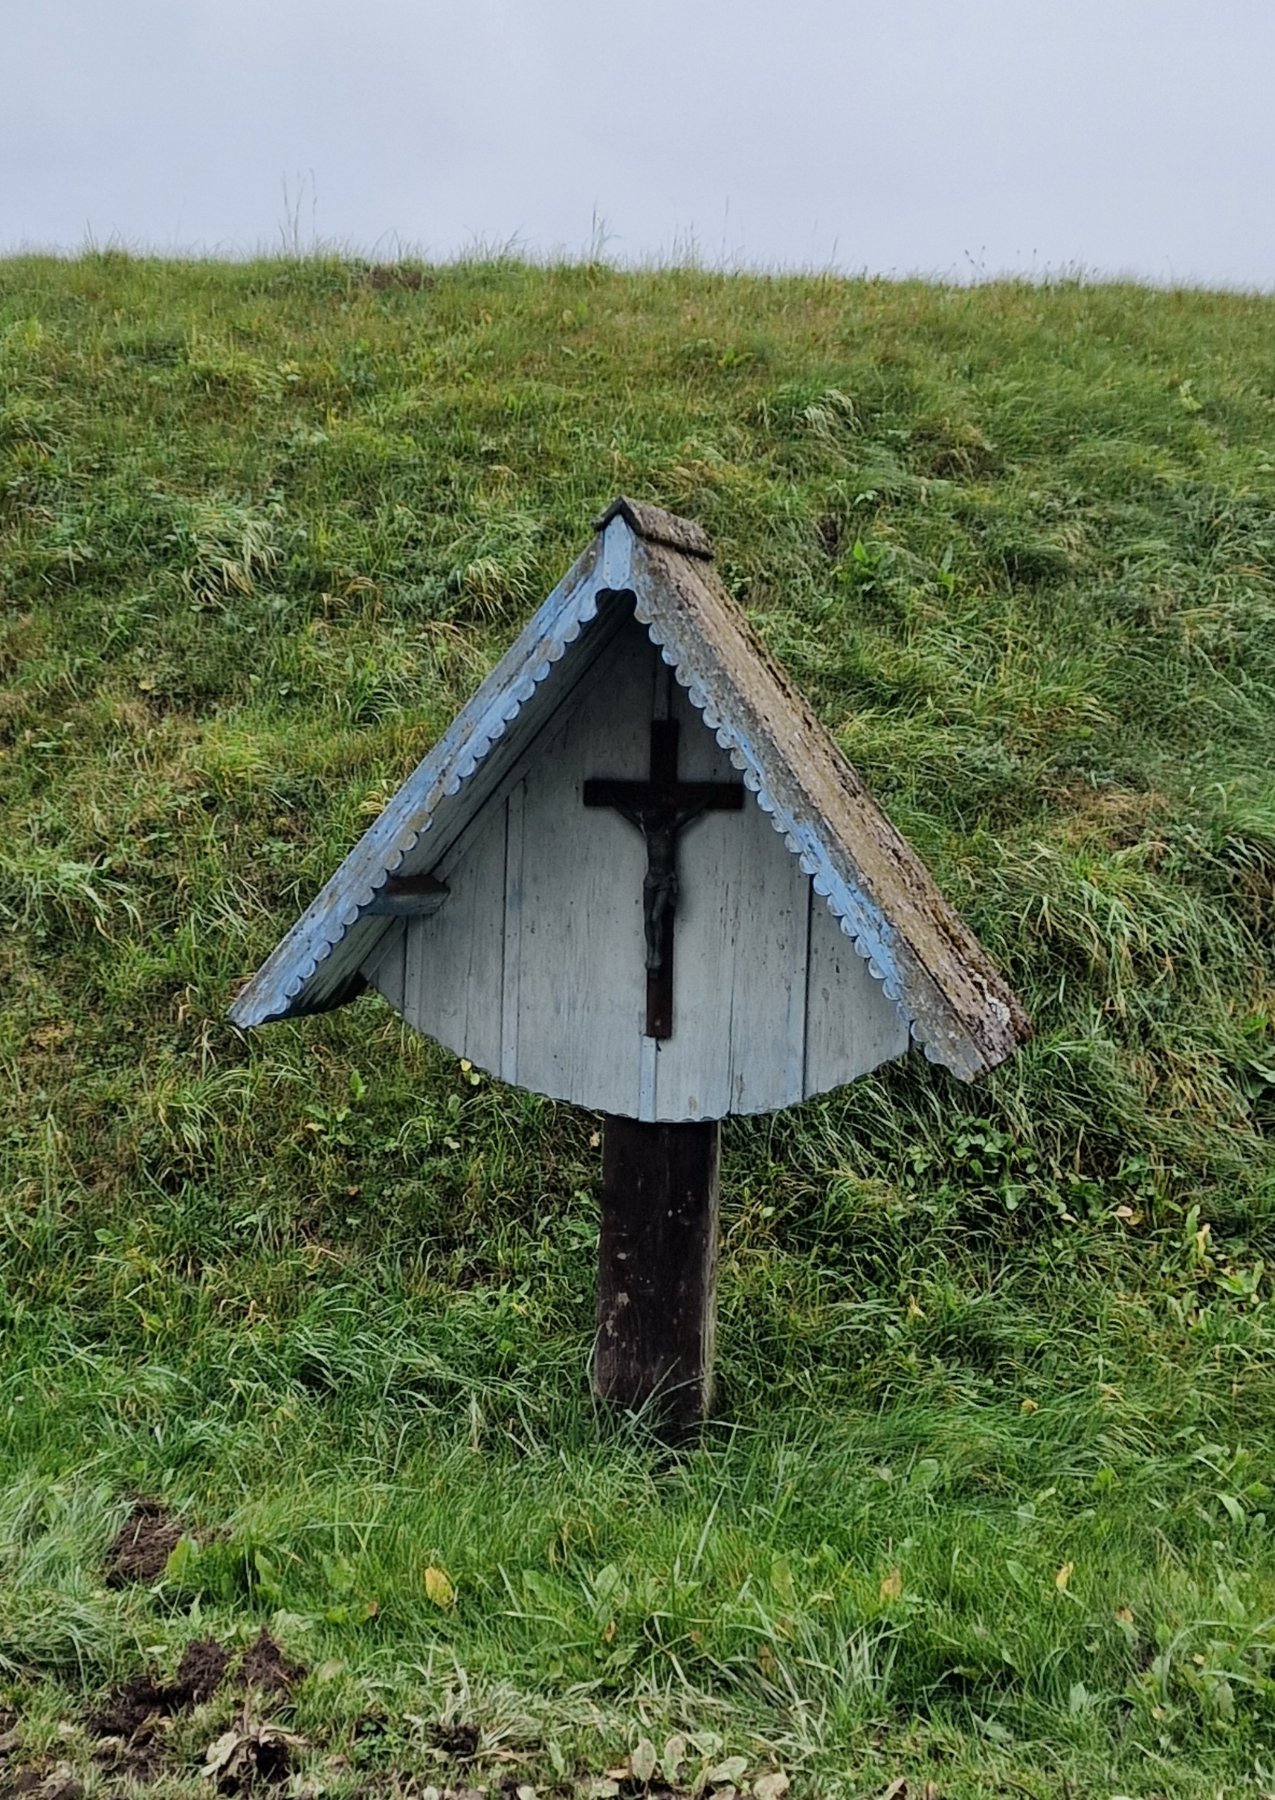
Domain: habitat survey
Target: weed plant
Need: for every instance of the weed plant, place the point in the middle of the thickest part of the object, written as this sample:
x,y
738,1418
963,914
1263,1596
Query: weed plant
x,y
988,1500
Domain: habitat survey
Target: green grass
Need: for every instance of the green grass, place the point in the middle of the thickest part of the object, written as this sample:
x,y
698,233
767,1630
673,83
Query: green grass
x,y
988,1500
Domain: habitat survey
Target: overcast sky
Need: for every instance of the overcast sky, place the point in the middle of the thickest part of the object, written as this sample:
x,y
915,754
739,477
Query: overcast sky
x,y
950,137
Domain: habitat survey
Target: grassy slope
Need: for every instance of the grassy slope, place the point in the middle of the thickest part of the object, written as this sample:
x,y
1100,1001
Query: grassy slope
x,y
988,1499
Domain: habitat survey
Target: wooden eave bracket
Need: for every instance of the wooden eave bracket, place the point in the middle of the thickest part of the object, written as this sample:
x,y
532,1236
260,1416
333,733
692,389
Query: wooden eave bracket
x,y
409,897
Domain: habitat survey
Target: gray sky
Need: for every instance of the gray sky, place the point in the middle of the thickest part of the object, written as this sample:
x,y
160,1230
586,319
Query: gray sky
x,y
952,137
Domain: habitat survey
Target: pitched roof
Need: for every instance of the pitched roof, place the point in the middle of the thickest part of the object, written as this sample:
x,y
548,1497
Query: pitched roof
x,y
651,565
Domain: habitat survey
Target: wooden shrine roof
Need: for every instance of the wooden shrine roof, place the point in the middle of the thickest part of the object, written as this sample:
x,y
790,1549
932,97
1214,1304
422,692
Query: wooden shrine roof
x,y
649,564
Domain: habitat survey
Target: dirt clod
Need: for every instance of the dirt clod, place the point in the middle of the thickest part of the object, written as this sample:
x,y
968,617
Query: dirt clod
x,y
138,1704
133,1708
59,1783
460,1741
266,1668
143,1545
200,1671
140,1761
62,1783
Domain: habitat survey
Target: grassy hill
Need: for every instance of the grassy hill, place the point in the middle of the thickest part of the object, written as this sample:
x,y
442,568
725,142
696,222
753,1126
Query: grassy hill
x,y
988,1502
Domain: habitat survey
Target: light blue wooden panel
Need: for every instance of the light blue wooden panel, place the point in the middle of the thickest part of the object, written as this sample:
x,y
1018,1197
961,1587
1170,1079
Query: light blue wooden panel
x,y
576,934
851,1025
740,958
533,968
652,566
385,968
453,966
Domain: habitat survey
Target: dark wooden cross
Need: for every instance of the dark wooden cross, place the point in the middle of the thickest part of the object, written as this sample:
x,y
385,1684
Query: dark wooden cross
x,y
661,807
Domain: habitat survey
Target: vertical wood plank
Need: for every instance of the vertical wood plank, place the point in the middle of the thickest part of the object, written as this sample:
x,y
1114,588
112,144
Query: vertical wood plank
x,y
692,1078
851,1026
453,957
512,938
581,1001
386,968
425,956
648,1074
662,686
657,1267
738,1041
768,996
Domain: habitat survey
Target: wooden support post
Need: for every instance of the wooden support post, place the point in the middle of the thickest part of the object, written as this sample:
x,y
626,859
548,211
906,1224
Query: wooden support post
x,y
657,1267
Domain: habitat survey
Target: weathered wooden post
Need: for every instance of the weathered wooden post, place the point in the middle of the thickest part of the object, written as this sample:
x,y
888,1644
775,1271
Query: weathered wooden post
x,y
657,1266
637,874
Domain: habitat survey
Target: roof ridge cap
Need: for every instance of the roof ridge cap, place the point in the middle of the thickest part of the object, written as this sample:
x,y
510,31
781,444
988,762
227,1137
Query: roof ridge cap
x,y
658,527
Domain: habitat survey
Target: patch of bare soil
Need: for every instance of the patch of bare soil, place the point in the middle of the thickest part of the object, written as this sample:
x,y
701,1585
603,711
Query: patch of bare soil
x,y
143,1545
132,1722
267,1669
200,1671
136,1706
133,1710
58,1783
131,1726
460,1741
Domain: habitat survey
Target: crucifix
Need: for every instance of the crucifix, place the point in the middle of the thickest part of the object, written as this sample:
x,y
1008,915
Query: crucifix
x,y
662,807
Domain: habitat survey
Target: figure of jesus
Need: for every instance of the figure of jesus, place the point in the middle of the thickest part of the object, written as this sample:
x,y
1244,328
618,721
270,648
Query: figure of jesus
x,y
659,826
